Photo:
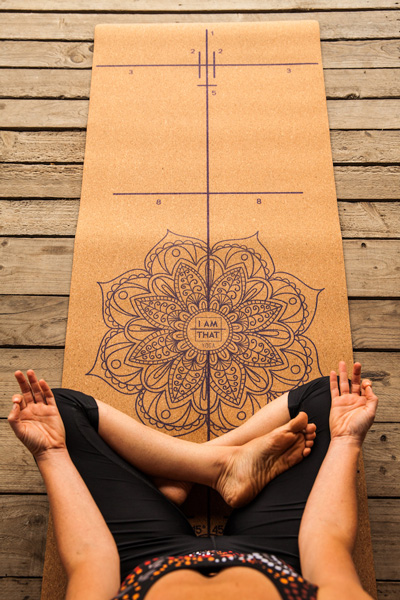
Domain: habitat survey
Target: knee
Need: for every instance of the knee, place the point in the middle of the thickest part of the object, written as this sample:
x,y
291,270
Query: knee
x,y
74,406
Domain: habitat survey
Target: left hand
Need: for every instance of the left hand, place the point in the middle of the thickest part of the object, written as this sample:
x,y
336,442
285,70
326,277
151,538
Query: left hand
x,y
353,410
35,418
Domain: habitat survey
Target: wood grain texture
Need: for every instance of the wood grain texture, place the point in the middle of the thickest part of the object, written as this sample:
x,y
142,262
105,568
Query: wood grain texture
x,y
75,83
43,266
41,321
70,26
14,588
59,217
65,181
68,146
59,114
383,368
23,534
195,5
357,54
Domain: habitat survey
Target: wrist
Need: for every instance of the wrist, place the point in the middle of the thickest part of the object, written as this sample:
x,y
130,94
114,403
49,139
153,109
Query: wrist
x,y
50,455
346,441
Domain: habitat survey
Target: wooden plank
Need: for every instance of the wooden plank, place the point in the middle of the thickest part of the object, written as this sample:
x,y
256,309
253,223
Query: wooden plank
x,y
385,530
42,114
48,364
25,588
367,183
53,83
19,473
188,5
61,55
43,266
23,534
25,524
60,146
383,368
64,181
18,469
75,83
366,54
381,452
69,146
33,320
387,590
41,321
69,26
59,217
375,324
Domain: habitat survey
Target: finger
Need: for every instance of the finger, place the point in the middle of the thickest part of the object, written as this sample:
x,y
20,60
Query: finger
x,y
356,379
48,394
369,394
344,382
364,384
35,386
15,411
24,387
334,385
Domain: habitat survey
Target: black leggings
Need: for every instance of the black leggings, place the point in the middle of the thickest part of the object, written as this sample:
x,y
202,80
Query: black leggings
x,y
146,524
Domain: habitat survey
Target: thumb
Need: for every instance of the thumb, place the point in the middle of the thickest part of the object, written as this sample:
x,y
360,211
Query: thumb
x,y
13,417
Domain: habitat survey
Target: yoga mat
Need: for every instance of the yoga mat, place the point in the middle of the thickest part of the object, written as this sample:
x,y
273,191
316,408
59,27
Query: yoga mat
x,y
208,273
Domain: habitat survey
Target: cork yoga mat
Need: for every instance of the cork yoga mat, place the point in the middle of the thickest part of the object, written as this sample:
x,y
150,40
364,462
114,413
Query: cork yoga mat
x,y
208,273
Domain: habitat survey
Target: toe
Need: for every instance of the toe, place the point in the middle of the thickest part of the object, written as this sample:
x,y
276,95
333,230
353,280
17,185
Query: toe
x,y
299,423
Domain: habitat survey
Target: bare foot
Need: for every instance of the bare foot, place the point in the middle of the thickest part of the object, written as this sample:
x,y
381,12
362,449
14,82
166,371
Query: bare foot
x,y
176,491
250,467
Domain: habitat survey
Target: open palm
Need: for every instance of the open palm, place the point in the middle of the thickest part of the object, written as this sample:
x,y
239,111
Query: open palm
x,y
35,418
353,410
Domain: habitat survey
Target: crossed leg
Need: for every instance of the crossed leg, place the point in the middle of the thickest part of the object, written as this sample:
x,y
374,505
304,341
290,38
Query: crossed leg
x,y
268,444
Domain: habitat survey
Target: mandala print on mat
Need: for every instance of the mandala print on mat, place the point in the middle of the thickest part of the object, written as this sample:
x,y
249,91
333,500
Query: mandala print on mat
x,y
193,353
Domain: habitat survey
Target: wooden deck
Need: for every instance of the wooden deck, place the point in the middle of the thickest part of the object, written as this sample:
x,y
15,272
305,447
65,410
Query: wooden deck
x,y
46,51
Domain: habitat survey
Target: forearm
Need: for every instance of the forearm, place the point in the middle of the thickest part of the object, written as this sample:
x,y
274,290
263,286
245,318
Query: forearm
x,y
329,523
81,532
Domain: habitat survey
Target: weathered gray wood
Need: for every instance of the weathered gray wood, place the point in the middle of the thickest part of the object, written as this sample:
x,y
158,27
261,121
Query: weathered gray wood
x,y
23,534
385,529
186,5
61,55
69,146
59,217
69,26
19,473
42,114
41,321
381,452
44,266
75,83
377,326
14,588
64,181
387,590
48,364
367,183
53,83
383,368
18,470
366,54
33,320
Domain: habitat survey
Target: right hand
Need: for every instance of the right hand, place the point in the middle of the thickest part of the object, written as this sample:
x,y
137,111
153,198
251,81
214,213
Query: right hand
x,y
352,411
34,417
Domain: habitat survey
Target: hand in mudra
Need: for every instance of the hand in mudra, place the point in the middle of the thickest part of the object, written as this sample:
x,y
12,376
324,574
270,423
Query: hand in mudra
x,y
34,417
353,410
